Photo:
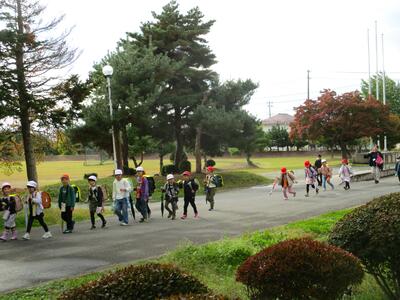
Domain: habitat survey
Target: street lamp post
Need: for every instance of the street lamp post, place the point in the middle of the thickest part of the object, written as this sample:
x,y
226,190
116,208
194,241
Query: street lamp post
x,y
107,72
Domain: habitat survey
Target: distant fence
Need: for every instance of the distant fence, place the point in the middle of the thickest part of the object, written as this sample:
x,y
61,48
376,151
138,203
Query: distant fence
x,y
72,157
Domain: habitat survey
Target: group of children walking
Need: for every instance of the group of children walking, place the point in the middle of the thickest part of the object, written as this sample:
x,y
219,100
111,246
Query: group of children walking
x,y
121,196
317,176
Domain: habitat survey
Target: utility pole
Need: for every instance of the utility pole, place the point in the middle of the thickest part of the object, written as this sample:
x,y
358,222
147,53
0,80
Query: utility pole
x,y
269,108
384,89
308,84
377,61
369,67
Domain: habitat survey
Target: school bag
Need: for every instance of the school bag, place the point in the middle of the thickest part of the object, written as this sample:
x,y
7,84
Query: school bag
x,y
19,204
152,184
77,191
46,200
218,180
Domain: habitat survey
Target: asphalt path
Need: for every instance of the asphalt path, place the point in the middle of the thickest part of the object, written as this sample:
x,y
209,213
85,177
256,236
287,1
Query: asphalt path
x,y
27,263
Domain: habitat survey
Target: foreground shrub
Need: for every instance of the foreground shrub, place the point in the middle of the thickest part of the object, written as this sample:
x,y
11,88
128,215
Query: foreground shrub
x,y
198,297
300,269
372,233
145,282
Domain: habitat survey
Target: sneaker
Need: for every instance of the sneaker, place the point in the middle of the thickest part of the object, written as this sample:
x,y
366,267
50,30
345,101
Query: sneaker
x,y
306,195
27,236
317,191
376,181
142,220
196,216
47,235
14,236
285,199
123,224
294,195
184,217
169,215
211,209
104,224
93,227
67,231
173,217
4,237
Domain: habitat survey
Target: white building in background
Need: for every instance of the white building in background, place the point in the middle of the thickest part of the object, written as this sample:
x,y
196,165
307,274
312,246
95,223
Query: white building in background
x,y
282,120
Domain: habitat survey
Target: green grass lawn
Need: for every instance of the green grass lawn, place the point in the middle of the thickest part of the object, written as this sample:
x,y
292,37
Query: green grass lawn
x,y
215,263
50,172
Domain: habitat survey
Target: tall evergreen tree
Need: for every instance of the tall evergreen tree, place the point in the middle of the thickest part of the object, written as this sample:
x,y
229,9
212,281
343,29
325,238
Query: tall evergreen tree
x,y
29,58
181,38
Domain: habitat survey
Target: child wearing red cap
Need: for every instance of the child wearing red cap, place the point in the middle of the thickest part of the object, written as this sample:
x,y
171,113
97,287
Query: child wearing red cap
x,y
210,187
286,180
345,173
190,188
310,175
66,203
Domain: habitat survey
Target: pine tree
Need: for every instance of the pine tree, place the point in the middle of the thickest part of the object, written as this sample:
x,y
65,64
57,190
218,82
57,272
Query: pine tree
x,y
29,58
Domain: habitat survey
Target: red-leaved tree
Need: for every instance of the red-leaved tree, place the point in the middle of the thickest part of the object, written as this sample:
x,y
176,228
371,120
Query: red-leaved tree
x,y
341,119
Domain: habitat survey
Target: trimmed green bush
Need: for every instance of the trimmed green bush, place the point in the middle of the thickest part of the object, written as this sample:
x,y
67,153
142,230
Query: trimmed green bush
x,y
144,282
197,297
372,233
185,166
300,269
169,169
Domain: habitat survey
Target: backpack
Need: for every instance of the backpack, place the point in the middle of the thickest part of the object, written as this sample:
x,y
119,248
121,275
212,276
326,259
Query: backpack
x,y
152,184
19,204
77,191
105,193
379,160
218,180
46,200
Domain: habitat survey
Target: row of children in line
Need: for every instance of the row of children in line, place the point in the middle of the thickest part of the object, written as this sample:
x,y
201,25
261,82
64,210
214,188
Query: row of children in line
x,y
34,205
287,179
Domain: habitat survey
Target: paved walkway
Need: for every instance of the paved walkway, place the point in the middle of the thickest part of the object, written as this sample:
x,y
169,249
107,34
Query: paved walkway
x,y
26,263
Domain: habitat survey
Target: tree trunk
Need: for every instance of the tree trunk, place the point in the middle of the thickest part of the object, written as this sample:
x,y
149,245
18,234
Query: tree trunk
x,y
179,140
205,160
118,152
161,163
197,149
343,149
249,162
30,160
125,148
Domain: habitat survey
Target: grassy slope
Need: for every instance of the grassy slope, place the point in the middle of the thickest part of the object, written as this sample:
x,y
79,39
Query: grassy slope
x,y
232,180
215,263
49,172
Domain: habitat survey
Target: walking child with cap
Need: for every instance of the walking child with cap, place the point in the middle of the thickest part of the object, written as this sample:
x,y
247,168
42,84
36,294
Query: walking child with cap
x,y
8,205
35,211
95,200
66,203
121,192
345,173
190,187
210,187
286,180
142,194
326,173
171,190
310,175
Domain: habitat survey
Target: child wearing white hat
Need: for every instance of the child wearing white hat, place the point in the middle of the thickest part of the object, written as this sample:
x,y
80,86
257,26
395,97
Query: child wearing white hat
x,y
121,191
95,199
35,210
8,205
171,190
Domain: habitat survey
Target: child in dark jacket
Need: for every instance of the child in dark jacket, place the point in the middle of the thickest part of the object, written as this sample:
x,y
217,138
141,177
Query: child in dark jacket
x,y
95,199
66,203
190,188
8,205
171,190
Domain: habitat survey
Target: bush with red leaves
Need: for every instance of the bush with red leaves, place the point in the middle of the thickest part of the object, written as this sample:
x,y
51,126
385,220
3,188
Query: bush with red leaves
x,y
300,269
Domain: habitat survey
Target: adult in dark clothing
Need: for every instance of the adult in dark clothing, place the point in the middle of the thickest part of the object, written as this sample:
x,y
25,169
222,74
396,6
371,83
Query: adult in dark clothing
x,y
318,165
95,199
375,162
66,203
190,188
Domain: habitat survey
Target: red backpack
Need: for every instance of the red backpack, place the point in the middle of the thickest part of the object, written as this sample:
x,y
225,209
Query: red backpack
x,y
379,160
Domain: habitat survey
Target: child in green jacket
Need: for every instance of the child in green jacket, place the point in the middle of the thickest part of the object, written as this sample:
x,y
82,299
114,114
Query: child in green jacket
x,y
66,203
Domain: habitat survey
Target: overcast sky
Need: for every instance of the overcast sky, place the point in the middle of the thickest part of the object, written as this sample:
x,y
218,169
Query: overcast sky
x,y
271,42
